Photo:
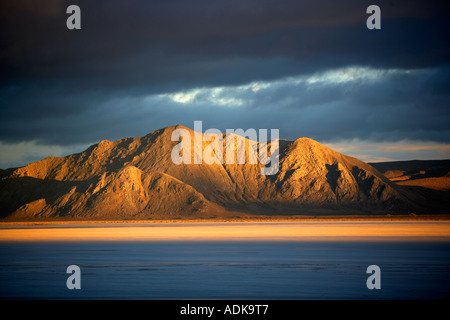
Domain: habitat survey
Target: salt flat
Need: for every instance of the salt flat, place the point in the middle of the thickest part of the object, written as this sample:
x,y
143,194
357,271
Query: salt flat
x,y
232,231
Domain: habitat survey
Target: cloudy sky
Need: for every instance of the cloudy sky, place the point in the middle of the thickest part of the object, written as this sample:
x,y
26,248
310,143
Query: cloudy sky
x,y
307,68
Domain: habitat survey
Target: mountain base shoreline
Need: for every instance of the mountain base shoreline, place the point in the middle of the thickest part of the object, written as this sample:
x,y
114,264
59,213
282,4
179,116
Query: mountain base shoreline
x,y
387,217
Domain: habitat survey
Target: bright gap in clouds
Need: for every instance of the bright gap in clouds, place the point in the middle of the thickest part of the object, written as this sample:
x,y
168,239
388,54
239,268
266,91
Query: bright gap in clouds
x,y
23,153
244,95
370,151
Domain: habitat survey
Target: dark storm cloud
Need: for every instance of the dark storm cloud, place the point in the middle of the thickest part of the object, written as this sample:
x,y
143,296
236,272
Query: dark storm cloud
x,y
129,43
63,87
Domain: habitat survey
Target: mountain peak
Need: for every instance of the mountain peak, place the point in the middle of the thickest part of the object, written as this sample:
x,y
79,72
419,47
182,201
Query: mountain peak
x,y
169,129
305,142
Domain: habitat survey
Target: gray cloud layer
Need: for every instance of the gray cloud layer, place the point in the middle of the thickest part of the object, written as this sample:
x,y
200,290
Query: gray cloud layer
x,y
114,77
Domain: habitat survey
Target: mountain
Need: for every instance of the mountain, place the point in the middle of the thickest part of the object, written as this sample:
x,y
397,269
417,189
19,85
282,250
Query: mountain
x,y
135,178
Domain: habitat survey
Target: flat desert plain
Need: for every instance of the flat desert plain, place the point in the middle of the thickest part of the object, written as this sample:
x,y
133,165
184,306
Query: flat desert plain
x,y
229,231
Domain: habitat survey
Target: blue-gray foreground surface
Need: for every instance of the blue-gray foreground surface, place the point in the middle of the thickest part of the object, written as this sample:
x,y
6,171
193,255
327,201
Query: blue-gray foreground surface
x,y
225,270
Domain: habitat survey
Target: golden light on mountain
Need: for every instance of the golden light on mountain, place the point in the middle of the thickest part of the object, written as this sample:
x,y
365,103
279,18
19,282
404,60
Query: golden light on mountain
x,y
134,178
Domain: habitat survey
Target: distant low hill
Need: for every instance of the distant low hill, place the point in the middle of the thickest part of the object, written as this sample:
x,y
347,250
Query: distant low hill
x,y
135,178
433,174
427,181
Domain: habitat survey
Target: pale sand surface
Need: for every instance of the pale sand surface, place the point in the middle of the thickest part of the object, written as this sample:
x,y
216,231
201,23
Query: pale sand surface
x,y
234,231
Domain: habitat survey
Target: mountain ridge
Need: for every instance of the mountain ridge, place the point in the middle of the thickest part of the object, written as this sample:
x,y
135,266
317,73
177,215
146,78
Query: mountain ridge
x,y
135,178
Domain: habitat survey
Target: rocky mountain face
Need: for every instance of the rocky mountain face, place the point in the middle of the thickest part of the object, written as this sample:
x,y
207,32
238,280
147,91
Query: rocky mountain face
x,y
135,178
